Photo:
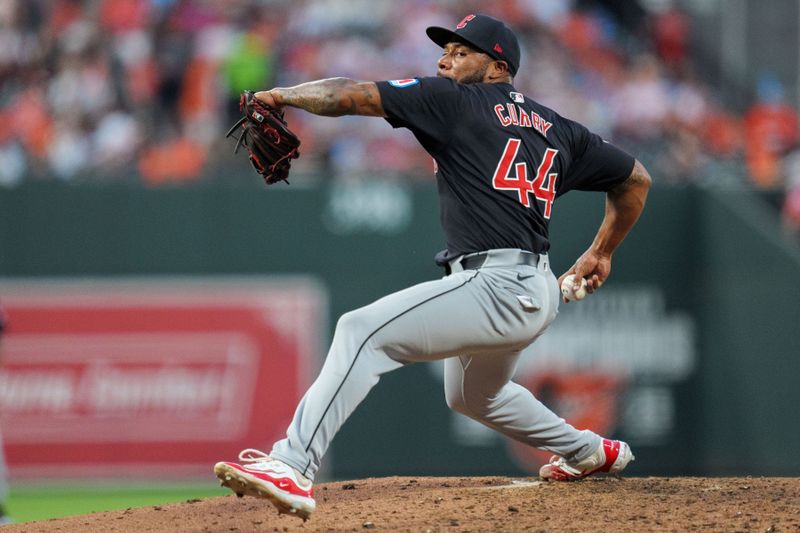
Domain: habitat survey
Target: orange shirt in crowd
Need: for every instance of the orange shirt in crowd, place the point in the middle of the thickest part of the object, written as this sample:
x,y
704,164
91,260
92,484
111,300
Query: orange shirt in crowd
x,y
180,160
770,131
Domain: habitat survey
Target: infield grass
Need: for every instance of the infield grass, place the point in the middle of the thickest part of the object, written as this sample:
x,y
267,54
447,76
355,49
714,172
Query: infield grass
x,y
29,503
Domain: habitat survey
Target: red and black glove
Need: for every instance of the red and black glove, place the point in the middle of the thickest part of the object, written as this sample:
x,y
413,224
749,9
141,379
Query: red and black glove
x,y
267,138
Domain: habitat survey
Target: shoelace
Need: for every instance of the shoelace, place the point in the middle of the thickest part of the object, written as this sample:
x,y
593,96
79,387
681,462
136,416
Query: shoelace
x,y
251,455
562,464
260,459
588,465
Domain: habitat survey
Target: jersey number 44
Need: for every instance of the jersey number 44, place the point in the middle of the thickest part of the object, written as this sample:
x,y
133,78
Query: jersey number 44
x,y
543,186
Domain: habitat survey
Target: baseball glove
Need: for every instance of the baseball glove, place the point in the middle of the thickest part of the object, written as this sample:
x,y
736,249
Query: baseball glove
x,y
267,138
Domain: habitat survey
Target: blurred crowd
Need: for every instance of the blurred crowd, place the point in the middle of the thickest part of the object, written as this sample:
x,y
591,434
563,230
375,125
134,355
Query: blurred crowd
x,y
144,90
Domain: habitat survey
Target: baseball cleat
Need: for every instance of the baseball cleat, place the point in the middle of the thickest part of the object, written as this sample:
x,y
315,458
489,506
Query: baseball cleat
x,y
612,456
270,479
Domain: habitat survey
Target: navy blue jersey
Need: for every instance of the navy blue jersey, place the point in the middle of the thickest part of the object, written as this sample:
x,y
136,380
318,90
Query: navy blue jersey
x,y
501,159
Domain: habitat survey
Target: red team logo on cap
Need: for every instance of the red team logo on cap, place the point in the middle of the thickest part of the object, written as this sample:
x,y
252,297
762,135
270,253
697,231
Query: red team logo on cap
x,y
498,48
463,23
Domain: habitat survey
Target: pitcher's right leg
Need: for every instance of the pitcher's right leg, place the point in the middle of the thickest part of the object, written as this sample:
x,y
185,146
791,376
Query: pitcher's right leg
x,y
480,388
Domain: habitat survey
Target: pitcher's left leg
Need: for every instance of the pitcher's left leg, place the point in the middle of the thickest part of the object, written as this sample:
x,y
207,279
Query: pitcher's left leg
x,y
358,357
355,362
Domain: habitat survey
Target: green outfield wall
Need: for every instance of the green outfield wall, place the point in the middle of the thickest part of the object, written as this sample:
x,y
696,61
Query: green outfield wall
x,y
698,372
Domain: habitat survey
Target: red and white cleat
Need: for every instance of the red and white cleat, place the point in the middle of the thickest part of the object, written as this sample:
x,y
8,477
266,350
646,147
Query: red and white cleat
x,y
268,478
612,456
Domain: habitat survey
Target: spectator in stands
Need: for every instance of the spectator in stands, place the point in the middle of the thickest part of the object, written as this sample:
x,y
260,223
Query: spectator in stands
x,y
670,30
770,132
120,89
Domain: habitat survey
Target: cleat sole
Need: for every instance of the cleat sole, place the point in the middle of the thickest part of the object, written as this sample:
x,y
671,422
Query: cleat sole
x,y
244,487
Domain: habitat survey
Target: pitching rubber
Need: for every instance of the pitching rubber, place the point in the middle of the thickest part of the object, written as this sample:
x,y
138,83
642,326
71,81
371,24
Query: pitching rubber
x,y
244,484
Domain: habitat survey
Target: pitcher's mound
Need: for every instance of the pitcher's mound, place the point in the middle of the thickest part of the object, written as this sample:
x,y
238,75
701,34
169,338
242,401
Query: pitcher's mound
x,y
480,504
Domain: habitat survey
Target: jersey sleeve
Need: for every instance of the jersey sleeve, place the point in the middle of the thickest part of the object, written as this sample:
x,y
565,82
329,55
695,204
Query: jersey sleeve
x,y
429,107
596,165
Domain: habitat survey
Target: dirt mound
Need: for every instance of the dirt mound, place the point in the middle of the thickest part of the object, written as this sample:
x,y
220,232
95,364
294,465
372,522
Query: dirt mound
x,y
481,504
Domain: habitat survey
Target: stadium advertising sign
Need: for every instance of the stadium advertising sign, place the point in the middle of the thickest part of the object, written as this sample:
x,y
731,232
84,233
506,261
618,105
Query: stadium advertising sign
x,y
116,378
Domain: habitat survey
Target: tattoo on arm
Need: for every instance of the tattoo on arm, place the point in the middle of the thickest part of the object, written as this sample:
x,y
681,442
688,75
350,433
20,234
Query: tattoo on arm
x,y
639,177
333,97
371,99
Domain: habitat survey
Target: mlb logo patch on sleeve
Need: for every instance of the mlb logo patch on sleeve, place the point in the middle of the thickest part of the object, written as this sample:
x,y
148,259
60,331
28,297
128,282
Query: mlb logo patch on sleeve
x,y
517,97
404,83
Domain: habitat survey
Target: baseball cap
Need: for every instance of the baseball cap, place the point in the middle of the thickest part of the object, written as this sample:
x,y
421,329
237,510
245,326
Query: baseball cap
x,y
484,33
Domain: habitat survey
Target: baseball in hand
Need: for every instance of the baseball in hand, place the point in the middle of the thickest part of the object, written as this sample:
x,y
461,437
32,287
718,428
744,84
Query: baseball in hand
x,y
568,293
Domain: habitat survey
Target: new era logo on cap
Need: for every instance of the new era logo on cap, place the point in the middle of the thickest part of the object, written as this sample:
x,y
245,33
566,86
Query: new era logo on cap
x,y
483,33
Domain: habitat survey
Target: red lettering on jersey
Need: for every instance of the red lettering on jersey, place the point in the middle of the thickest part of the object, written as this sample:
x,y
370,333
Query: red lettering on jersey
x,y
504,181
518,116
519,182
504,120
512,112
524,119
546,193
463,23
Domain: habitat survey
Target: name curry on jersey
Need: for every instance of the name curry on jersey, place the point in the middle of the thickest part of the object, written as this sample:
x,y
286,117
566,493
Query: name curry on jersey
x,y
514,115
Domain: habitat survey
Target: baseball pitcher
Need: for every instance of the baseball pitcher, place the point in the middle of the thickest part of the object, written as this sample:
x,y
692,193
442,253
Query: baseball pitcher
x,y
501,160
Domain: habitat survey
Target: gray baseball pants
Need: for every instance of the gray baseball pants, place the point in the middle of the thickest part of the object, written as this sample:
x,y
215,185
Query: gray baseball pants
x,y
479,322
